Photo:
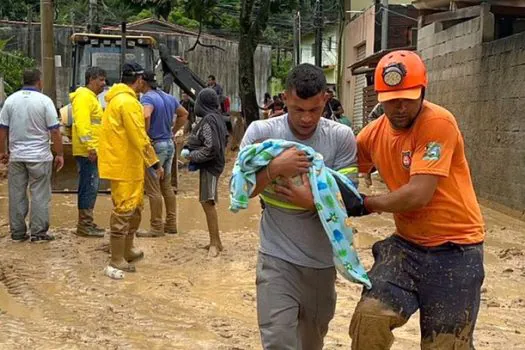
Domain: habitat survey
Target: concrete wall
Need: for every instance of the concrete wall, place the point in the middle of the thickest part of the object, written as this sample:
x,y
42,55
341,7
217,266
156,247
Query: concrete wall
x,y
203,61
359,31
483,85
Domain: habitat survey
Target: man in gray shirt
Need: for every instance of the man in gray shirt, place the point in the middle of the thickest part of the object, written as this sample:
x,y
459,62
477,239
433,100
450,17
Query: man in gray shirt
x,y
295,273
30,117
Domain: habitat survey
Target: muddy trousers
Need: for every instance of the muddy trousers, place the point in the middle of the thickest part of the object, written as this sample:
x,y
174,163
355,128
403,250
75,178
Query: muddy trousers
x,y
127,197
159,191
295,304
36,176
443,282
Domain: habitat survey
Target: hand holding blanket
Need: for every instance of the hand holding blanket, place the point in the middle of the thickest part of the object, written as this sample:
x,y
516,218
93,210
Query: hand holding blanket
x,y
326,193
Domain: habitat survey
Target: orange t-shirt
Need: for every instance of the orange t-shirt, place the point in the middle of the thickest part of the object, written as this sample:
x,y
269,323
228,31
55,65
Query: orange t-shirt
x,y
432,146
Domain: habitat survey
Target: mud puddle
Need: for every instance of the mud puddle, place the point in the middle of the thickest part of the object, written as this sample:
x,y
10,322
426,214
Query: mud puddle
x,y
55,296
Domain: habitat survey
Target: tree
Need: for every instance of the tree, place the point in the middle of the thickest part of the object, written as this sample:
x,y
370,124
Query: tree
x,y
253,22
12,66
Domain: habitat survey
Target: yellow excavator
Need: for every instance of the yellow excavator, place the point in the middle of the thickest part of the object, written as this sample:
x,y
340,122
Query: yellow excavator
x,y
104,50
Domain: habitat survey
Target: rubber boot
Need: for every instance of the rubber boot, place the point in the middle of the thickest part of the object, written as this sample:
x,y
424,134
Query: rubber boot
x,y
94,226
131,253
170,201
85,224
119,225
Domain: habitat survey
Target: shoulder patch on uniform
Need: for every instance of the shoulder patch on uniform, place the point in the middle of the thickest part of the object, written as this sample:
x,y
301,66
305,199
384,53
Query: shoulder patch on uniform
x,y
432,151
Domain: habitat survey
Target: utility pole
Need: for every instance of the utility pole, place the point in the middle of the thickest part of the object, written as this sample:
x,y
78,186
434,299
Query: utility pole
x,y
318,33
93,17
72,17
30,31
384,24
297,38
124,46
47,14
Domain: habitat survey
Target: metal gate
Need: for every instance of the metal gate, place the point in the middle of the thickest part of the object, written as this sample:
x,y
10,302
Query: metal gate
x,y
360,84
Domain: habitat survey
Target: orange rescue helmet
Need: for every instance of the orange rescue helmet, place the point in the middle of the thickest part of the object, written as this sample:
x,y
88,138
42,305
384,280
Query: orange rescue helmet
x,y
400,74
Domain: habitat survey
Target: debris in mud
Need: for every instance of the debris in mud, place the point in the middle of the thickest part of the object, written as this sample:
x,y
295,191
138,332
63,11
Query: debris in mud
x,y
508,270
494,304
483,290
510,253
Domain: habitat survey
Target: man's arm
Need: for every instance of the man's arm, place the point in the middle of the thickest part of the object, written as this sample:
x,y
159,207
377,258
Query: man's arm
x,y
182,117
56,138
416,194
148,111
4,156
81,108
432,158
4,132
134,124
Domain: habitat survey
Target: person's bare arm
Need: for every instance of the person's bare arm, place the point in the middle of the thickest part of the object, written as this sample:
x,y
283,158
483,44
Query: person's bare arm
x,y
56,137
416,194
4,156
182,117
148,111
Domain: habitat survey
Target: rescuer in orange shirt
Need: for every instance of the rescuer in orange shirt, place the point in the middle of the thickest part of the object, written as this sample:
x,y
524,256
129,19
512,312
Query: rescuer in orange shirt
x,y
434,261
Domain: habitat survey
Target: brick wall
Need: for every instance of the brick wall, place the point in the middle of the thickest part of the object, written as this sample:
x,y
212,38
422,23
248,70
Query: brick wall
x,y
483,84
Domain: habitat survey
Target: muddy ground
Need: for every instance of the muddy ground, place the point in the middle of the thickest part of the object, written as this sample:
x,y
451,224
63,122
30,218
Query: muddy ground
x,y
55,296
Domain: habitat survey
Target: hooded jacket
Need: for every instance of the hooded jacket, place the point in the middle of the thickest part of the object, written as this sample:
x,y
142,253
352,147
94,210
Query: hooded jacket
x,y
87,117
207,142
124,147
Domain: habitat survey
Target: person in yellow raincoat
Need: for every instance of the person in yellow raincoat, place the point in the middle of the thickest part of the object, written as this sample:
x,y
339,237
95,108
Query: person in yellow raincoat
x,y
87,114
124,152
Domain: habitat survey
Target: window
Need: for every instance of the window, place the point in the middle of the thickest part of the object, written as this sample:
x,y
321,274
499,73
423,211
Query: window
x,y
330,41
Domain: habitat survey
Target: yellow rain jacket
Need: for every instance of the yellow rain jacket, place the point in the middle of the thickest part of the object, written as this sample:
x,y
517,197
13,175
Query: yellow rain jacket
x,y
124,147
87,116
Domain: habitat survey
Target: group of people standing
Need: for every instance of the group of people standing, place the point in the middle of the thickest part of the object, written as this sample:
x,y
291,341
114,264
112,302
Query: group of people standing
x,y
130,143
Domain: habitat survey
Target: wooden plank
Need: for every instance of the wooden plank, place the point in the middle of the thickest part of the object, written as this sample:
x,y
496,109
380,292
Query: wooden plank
x,y
464,13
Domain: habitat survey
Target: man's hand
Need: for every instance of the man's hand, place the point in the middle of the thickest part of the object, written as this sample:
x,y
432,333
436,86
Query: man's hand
x,y
299,195
4,158
59,163
92,156
160,173
290,163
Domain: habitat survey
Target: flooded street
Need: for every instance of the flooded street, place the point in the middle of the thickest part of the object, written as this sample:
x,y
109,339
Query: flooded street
x,y
55,296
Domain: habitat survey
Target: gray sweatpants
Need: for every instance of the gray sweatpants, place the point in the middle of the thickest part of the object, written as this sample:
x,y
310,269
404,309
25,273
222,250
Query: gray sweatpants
x,y
38,177
295,304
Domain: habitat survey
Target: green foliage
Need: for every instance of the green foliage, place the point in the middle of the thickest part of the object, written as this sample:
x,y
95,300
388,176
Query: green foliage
x,y
178,16
12,66
144,14
16,10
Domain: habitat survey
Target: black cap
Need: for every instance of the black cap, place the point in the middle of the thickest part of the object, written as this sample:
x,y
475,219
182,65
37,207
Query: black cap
x,y
150,78
131,69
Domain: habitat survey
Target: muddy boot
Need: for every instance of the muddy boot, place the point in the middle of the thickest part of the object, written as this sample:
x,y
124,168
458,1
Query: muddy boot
x,y
213,228
149,234
119,225
170,201
131,253
85,224
94,226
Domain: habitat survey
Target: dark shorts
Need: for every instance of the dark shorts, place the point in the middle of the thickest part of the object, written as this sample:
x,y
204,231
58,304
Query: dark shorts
x,y
208,186
443,282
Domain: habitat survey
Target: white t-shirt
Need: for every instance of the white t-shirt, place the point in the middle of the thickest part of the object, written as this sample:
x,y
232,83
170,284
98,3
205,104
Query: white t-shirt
x,y
29,115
